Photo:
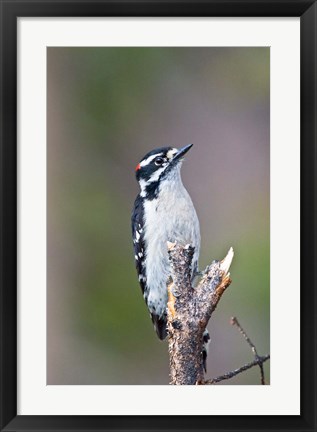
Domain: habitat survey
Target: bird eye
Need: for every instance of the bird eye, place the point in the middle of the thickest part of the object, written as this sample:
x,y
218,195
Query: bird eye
x,y
159,161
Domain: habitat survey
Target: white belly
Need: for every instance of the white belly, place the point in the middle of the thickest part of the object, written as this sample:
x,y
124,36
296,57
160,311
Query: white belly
x,y
172,218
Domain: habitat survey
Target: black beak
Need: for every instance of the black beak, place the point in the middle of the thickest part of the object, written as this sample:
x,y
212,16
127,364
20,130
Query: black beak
x,y
182,151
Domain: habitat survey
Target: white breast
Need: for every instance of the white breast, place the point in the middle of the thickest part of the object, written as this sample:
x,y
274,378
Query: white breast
x,y
170,217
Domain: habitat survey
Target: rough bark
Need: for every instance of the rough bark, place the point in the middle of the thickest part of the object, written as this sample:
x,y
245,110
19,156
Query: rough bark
x,y
189,310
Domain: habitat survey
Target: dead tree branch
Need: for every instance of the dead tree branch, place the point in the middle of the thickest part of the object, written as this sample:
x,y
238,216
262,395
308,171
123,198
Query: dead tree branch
x,y
189,310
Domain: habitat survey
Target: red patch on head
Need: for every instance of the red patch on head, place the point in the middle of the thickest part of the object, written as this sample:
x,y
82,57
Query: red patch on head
x,y
137,167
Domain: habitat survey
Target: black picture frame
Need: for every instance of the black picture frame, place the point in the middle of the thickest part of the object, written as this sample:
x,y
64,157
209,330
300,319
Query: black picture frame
x,y
10,11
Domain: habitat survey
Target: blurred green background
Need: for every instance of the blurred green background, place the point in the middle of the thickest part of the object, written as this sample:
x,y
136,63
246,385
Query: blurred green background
x,y
107,107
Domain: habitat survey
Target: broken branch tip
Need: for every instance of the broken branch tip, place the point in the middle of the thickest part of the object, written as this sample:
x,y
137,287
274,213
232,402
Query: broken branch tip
x,y
226,262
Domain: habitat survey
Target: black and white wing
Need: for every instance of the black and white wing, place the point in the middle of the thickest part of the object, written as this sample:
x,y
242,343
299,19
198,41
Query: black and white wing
x,y
138,242
137,222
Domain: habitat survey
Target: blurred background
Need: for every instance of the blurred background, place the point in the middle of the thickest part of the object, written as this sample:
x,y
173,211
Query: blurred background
x,y
107,107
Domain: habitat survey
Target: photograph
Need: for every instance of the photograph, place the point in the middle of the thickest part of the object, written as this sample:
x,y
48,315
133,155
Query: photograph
x,y
158,181
158,189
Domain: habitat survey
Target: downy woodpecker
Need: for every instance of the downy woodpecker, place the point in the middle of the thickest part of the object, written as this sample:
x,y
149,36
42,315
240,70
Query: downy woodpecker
x,y
163,211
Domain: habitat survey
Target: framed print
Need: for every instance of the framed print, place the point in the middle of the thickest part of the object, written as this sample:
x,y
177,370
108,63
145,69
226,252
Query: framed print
x,y
91,90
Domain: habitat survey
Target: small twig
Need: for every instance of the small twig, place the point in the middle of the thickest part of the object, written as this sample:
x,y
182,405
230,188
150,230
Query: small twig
x,y
234,321
258,362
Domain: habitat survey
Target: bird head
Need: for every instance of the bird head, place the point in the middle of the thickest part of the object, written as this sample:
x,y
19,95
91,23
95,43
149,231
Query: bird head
x,y
159,164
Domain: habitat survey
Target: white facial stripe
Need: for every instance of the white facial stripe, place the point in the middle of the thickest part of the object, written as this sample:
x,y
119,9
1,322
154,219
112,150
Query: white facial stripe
x,y
149,159
156,175
143,185
171,153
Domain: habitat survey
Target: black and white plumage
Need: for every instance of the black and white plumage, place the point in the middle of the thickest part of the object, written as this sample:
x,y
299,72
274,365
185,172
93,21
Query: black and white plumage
x,y
163,211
